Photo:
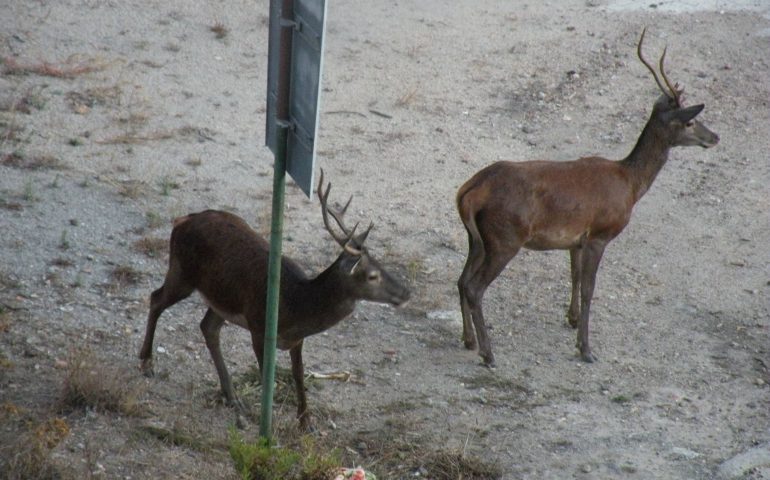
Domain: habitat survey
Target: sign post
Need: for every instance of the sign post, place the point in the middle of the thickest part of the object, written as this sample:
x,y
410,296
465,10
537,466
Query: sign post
x,y
295,54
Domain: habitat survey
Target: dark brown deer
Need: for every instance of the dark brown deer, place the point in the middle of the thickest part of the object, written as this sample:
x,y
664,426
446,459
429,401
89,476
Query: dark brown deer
x,y
217,254
578,205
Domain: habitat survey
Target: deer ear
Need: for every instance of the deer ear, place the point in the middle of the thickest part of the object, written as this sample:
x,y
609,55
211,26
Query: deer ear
x,y
351,264
684,115
355,265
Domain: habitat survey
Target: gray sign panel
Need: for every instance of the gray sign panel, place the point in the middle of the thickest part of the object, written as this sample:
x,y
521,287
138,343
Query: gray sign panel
x,y
304,90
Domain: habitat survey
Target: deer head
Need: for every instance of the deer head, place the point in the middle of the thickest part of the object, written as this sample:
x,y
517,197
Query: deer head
x,y
669,109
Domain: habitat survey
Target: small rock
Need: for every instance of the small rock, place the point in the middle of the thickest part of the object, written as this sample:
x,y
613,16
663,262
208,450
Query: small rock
x,y
453,316
685,453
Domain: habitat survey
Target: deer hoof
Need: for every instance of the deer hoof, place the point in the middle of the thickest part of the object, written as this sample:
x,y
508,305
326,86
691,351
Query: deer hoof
x,y
306,424
588,357
146,368
489,360
470,344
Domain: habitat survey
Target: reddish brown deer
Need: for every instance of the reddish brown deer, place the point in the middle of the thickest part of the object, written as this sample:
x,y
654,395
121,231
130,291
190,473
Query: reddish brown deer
x,y
217,254
578,205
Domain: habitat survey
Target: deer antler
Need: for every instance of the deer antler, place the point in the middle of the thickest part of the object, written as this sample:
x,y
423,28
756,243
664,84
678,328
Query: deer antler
x,y
675,91
646,64
672,91
348,242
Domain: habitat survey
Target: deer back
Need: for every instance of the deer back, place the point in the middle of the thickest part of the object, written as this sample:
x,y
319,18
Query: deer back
x,y
218,254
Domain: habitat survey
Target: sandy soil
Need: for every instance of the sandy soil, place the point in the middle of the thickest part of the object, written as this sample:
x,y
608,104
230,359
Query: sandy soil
x,y
119,116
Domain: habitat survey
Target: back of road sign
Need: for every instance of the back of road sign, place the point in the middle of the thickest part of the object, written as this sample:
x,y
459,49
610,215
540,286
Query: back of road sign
x,y
308,25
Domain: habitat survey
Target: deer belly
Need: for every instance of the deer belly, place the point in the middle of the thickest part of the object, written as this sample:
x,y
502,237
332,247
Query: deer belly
x,y
556,239
234,318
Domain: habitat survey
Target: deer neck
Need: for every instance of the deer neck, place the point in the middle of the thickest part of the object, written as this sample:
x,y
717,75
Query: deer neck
x,y
319,303
646,159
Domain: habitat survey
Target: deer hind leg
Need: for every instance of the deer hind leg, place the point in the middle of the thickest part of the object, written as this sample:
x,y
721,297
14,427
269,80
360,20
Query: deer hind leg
x,y
494,262
160,300
575,260
211,325
592,255
472,264
298,373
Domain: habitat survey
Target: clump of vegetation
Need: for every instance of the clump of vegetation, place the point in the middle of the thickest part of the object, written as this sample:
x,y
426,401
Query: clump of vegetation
x,y
264,461
177,436
154,220
219,29
64,243
124,276
151,246
92,384
30,455
166,185
451,465
11,66
18,159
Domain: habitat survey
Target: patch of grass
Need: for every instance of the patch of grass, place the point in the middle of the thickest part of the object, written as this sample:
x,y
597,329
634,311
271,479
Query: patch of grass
x,y
64,243
29,192
177,437
151,246
132,189
13,206
90,383
220,31
25,104
135,138
621,399
407,98
19,160
154,220
414,268
488,379
30,455
451,465
78,281
124,276
62,262
81,102
11,66
397,407
306,460
166,185
5,321
194,162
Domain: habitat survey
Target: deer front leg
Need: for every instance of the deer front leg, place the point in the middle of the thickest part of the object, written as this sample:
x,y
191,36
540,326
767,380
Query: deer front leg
x,y
575,261
298,373
592,255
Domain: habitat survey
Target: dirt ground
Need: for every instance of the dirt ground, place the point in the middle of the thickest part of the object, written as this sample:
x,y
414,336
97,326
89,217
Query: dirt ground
x,y
117,116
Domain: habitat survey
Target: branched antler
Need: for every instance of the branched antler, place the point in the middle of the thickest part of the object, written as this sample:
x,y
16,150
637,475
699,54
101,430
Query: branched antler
x,y
351,243
672,91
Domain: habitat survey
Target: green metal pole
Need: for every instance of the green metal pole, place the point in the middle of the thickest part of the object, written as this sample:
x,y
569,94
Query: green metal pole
x,y
286,9
273,283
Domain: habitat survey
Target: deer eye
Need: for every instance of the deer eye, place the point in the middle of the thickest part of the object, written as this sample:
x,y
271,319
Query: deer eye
x,y
373,276
689,124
